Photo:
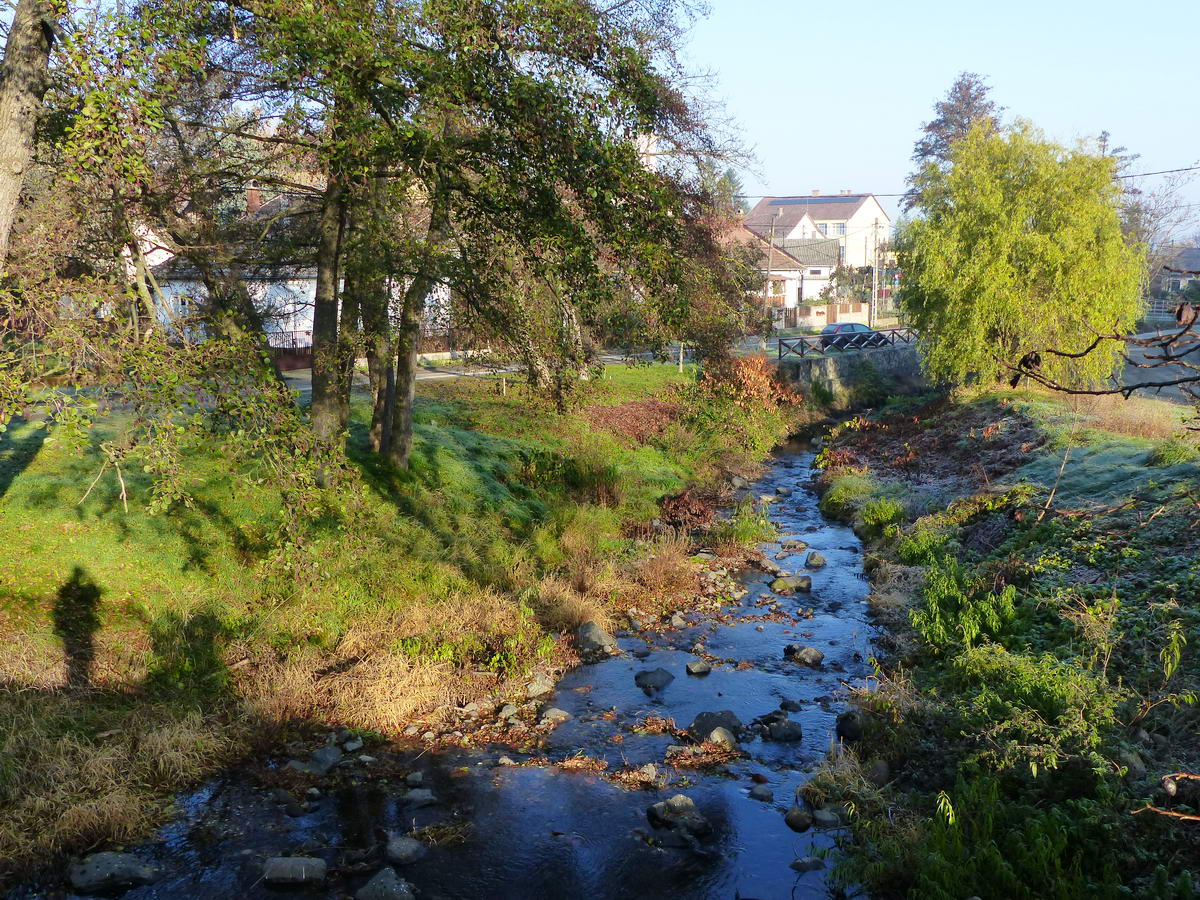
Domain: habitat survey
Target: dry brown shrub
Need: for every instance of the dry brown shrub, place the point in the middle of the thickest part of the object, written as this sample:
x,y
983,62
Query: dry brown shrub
x,y
667,573
638,420
560,607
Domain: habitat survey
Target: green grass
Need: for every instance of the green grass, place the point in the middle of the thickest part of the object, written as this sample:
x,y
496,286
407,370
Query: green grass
x,y
1011,716
204,626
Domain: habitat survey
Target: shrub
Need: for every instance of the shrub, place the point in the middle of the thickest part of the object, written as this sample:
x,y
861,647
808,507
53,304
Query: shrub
x,y
845,493
921,546
1172,452
749,525
882,512
958,608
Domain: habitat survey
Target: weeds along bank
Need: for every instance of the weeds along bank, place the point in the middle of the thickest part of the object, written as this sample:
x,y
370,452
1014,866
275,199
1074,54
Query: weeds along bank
x,y
142,651
1037,562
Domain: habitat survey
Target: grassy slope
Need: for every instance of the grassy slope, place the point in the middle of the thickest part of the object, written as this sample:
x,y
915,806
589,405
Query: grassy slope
x,y
197,632
1040,685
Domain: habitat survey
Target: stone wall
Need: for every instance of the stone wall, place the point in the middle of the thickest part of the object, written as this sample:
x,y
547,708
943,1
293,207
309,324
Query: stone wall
x,y
862,378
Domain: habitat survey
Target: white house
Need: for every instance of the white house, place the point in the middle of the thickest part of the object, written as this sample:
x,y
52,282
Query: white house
x,y
856,221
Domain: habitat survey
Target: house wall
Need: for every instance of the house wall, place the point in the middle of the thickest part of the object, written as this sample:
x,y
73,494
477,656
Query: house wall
x,y
862,235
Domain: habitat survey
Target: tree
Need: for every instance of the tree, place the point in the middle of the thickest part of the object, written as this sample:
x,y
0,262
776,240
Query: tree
x,y
1019,248
24,79
965,106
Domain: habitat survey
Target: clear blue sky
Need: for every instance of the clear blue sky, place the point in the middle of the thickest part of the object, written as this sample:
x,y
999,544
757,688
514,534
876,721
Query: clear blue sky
x,y
830,95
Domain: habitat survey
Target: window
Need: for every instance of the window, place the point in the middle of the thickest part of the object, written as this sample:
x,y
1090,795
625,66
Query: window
x,y
814,271
839,228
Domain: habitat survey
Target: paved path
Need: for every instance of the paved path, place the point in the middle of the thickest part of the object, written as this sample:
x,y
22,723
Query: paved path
x,y
1135,375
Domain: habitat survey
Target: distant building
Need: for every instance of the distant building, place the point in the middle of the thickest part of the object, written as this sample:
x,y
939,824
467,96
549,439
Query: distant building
x,y
856,221
1181,270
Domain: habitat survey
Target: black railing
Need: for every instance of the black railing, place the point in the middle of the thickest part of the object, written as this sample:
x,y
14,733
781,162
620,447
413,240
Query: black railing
x,y
824,344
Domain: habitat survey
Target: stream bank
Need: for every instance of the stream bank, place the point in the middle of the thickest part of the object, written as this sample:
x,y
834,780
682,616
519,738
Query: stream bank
x,y
590,813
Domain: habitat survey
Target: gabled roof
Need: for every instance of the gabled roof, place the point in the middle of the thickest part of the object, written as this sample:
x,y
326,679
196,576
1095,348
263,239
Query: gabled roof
x,y
1186,259
831,208
790,254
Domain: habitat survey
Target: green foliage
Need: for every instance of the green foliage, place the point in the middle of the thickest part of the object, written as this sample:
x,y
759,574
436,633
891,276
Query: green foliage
x,y
846,492
980,845
959,610
1173,451
748,526
921,546
1015,232
882,512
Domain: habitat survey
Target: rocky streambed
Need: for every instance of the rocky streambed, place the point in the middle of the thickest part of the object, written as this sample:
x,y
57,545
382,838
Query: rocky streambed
x,y
669,768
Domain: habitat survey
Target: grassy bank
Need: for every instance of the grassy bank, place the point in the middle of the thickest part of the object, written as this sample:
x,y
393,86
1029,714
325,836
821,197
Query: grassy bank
x,y
143,651
1037,564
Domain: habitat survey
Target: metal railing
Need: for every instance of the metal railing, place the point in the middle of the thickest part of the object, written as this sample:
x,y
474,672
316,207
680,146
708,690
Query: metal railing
x,y
824,344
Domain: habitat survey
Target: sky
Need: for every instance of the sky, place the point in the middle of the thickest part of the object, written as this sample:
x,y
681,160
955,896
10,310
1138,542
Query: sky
x,y
831,95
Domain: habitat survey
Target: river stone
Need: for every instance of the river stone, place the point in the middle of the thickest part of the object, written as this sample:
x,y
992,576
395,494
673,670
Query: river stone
x,y
110,871
555,715
793,544
791,705
592,639
773,568
419,797
539,686
807,864
650,680
386,885
737,482
355,743
507,711
722,737
783,491
414,779
325,759
678,621
762,793
826,818
814,560
293,870
506,761
789,584
403,850
698,667
805,656
787,730
798,818
705,722
678,813
878,773
851,725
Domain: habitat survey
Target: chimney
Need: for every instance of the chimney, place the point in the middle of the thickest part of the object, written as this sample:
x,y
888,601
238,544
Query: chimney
x,y
254,201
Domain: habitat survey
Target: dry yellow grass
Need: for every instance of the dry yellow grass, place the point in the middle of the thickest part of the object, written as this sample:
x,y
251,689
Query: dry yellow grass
x,y
1140,417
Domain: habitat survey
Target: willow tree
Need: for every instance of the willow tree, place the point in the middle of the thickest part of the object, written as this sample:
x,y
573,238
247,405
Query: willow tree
x,y
1019,248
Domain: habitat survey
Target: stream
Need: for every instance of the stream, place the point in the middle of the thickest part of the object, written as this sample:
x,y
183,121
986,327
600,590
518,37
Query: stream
x,y
537,831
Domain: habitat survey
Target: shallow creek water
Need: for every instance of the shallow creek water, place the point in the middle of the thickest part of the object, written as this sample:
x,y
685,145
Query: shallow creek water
x,y
541,832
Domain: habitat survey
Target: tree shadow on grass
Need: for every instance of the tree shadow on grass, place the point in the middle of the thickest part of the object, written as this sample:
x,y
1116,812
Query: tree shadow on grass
x,y
76,619
19,446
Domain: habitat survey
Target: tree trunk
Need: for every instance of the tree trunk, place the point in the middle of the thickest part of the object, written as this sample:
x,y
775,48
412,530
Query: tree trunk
x,y
348,333
326,364
380,363
24,77
409,334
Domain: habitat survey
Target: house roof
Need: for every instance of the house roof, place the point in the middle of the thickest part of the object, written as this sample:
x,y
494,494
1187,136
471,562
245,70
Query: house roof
x,y
790,254
1187,259
834,207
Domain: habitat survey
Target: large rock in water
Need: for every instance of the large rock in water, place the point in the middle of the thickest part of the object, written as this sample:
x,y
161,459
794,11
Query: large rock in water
x,y
651,680
680,814
722,737
815,560
702,726
806,656
403,850
386,885
787,730
851,725
789,584
293,870
592,640
109,871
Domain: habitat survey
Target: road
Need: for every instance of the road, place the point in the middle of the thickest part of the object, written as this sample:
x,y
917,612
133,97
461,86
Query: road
x,y
1135,375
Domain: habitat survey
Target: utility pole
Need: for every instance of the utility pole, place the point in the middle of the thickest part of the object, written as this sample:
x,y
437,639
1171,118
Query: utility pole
x,y
767,281
874,278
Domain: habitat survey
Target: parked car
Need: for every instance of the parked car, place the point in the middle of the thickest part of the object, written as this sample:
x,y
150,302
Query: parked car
x,y
850,336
